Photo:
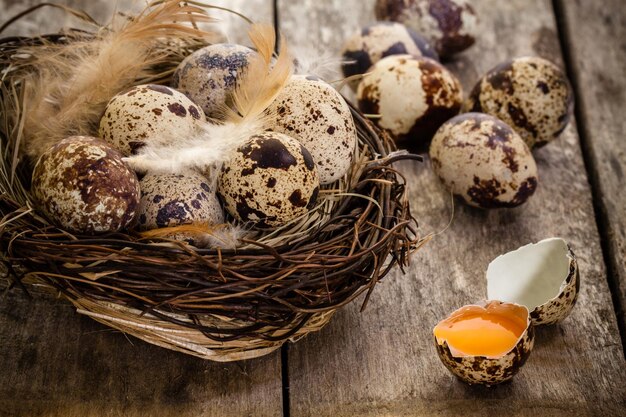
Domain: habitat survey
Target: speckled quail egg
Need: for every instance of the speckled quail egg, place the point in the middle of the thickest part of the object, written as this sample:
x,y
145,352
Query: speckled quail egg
x,y
379,40
150,112
82,185
542,276
485,343
175,199
482,160
313,112
449,25
531,94
270,180
209,75
412,95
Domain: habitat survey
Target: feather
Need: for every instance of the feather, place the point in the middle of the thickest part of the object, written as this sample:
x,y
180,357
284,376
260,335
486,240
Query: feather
x,y
256,89
318,62
224,236
74,82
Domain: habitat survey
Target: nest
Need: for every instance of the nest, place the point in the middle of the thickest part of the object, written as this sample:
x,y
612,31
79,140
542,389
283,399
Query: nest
x,y
218,304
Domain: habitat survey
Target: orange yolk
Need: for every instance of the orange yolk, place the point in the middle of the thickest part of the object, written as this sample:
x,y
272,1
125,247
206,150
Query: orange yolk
x,y
481,333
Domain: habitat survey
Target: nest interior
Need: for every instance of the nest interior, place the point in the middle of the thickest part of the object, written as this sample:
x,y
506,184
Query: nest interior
x,y
218,304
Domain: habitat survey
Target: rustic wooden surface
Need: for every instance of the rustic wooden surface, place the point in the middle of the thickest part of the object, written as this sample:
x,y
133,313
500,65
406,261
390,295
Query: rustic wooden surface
x,y
382,362
598,74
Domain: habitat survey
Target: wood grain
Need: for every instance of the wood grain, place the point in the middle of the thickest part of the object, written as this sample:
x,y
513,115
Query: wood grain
x,y
54,362
382,362
598,74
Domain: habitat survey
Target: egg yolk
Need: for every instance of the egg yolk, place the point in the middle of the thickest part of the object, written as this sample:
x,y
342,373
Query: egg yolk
x,y
481,333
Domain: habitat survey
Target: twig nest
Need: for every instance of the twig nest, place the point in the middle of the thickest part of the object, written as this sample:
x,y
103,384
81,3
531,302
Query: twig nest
x,y
270,180
450,25
313,112
484,161
148,113
209,75
486,343
411,96
379,40
174,199
82,185
531,94
542,276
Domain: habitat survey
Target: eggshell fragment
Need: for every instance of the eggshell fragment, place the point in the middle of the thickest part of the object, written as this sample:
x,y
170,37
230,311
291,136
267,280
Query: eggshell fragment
x,y
269,181
313,112
542,276
412,95
483,161
82,185
148,113
209,75
450,25
531,94
486,370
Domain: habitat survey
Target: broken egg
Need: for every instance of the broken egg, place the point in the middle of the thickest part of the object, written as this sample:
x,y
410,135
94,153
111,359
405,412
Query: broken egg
x,y
484,161
450,25
270,180
530,94
313,112
209,75
83,185
150,112
410,97
542,276
485,343
379,40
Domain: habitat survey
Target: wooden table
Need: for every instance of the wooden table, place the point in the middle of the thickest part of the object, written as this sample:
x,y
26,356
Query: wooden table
x,y
382,362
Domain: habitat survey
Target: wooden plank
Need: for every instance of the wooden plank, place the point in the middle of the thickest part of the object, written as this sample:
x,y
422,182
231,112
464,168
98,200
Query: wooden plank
x,y
592,32
54,362
382,362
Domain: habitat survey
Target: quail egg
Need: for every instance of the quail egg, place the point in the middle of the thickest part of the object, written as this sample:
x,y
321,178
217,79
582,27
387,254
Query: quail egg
x,y
379,40
485,343
531,94
176,199
449,25
482,160
270,180
150,112
82,185
413,96
542,276
209,75
313,112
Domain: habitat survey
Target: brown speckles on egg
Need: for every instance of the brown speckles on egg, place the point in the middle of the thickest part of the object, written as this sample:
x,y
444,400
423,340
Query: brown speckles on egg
x,y
529,93
315,114
148,113
83,185
413,97
499,171
278,186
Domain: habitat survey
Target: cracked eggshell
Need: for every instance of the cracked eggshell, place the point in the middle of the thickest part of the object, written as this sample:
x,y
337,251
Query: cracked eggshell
x,y
83,185
488,370
379,40
176,199
412,95
531,94
269,180
484,161
451,26
148,113
209,75
542,276
313,112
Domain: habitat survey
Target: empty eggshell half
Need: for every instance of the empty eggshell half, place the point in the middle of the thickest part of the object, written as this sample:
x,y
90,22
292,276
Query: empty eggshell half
x,y
542,276
486,343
